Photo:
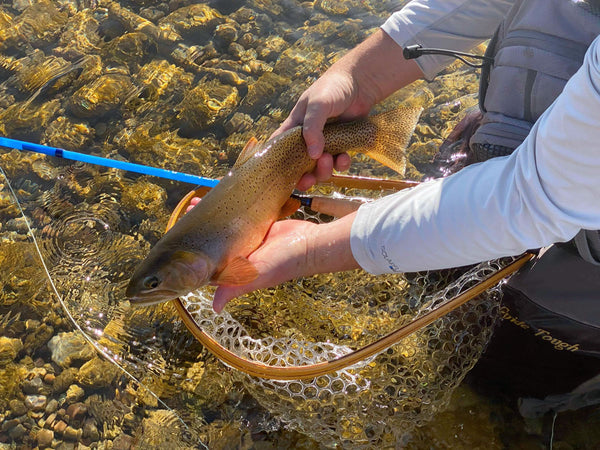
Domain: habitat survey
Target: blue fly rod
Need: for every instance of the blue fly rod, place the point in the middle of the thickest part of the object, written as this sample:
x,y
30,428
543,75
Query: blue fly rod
x,y
107,162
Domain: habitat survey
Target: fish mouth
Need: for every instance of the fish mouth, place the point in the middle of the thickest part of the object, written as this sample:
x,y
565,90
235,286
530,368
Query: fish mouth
x,y
152,298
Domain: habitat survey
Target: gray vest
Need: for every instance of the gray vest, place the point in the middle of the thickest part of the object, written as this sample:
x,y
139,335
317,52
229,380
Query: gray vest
x,y
536,49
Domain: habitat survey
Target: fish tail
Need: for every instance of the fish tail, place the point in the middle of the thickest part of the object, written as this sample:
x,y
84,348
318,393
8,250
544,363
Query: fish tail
x,y
393,131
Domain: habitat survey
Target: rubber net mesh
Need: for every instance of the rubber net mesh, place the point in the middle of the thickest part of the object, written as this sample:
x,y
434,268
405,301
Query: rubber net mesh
x,y
376,403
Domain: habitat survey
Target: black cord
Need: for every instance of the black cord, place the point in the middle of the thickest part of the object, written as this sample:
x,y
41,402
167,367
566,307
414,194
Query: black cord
x,y
414,51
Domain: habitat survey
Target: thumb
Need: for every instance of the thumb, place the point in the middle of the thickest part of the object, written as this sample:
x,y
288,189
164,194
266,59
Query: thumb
x,y
224,294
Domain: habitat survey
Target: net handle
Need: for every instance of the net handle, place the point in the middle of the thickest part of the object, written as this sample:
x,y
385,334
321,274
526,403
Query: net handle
x,y
310,371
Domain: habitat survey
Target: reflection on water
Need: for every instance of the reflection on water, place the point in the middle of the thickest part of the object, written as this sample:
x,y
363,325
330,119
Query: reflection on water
x,y
179,85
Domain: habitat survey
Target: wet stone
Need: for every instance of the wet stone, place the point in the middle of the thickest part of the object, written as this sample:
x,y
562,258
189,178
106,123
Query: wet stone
x,y
123,442
153,14
97,372
90,431
36,402
37,372
17,432
49,421
72,434
70,446
59,426
69,347
17,407
33,386
76,411
9,424
9,348
49,378
52,406
65,379
238,123
44,437
74,393
36,415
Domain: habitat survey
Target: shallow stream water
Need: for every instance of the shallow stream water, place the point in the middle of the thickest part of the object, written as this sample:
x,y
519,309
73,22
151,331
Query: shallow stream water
x,y
182,86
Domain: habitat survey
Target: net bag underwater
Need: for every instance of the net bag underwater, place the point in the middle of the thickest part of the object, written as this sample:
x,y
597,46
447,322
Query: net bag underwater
x,y
376,402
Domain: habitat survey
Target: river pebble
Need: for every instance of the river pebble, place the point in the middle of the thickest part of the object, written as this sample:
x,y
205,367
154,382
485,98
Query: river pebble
x,y
97,372
9,348
33,386
76,411
52,406
72,434
36,402
67,347
74,393
17,407
44,437
90,431
64,379
17,432
60,426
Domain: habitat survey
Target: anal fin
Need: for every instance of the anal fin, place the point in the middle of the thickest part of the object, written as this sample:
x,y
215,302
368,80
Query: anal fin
x,y
289,208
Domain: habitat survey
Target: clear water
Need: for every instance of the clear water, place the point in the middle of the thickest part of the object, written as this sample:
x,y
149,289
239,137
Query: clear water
x,y
181,87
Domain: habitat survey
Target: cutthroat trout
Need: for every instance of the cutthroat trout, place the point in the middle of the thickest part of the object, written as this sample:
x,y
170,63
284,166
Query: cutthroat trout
x,y
210,244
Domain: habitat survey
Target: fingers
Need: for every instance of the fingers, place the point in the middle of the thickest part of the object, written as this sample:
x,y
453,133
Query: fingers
x,y
312,115
342,162
312,129
323,170
306,182
193,202
224,294
281,257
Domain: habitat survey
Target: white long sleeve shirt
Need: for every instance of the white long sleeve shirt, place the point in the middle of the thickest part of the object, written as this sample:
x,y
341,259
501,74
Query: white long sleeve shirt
x,y
452,24
543,193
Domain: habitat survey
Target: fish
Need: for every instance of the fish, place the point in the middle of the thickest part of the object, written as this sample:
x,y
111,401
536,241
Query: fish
x,y
211,243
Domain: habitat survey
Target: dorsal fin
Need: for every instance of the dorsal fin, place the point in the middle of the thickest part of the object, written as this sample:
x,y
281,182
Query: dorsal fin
x,y
248,151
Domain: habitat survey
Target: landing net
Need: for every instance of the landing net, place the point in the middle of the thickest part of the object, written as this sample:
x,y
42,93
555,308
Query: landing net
x,y
377,402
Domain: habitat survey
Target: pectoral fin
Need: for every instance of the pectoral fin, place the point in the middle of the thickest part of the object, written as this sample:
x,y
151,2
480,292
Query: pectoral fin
x,y
239,271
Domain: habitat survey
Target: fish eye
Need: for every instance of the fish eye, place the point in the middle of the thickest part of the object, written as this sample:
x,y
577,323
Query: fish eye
x,y
151,282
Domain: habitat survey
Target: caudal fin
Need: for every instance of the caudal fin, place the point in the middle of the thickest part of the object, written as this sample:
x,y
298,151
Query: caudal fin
x,y
394,129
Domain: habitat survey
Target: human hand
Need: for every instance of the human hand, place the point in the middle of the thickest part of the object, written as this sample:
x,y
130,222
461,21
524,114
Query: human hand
x,y
335,95
293,249
282,256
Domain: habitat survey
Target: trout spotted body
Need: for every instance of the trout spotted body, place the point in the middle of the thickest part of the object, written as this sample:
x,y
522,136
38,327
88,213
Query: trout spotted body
x,y
210,244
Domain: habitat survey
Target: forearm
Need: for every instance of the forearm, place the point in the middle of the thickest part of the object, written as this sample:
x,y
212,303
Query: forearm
x,y
543,193
329,250
378,67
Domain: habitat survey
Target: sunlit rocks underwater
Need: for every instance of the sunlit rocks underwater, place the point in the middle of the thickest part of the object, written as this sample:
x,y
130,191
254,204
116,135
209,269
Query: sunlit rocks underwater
x,y
183,86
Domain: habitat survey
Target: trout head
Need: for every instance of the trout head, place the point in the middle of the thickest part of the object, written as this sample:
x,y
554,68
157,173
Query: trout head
x,y
164,276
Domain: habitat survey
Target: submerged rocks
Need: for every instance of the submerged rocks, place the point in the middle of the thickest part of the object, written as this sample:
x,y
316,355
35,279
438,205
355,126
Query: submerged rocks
x,y
9,348
44,437
97,373
207,104
102,97
68,347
